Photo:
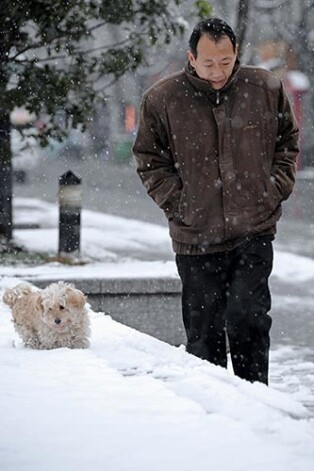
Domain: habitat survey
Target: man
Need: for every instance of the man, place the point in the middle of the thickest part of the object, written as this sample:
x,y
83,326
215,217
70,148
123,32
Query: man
x,y
216,150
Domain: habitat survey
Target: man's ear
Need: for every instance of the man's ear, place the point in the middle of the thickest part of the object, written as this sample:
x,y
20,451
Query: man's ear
x,y
190,57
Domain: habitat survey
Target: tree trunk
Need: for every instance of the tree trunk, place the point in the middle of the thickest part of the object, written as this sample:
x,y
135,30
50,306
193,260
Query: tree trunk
x,y
243,15
5,180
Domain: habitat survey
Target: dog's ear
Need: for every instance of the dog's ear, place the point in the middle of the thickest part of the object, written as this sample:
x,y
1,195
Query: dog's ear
x,y
76,298
8,297
39,305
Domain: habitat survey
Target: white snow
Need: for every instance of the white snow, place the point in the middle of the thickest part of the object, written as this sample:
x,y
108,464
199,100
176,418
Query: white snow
x,y
131,402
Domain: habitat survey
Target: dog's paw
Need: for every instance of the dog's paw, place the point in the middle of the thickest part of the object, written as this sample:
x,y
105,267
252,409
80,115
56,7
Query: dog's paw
x,y
82,343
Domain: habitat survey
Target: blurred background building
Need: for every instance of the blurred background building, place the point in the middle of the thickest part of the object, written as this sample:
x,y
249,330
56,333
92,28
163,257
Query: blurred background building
x,y
279,36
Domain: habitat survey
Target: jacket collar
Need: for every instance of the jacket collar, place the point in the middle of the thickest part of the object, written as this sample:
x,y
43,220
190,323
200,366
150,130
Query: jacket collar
x,y
204,87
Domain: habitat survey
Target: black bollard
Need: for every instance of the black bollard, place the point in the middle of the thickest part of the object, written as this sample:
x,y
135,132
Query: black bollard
x,y
70,203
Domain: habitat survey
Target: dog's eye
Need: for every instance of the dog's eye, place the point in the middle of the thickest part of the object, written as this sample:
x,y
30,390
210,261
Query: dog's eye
x,y
49,308
61,307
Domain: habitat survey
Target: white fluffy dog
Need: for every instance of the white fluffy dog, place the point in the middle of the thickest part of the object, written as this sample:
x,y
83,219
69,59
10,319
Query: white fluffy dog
x,y
50,318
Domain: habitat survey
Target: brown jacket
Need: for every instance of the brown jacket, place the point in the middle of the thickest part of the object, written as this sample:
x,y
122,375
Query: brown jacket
x,y
218,163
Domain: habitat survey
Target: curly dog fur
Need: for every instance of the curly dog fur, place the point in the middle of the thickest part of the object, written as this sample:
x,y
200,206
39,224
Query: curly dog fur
x,y
53,317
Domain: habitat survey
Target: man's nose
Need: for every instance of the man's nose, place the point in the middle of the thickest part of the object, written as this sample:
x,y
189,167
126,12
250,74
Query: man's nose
x,y
216,72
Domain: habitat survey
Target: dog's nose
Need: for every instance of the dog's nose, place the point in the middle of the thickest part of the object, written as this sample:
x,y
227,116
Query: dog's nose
x,y
57,320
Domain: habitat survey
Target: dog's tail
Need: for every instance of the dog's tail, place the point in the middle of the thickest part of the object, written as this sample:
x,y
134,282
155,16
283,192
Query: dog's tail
x,y
11,295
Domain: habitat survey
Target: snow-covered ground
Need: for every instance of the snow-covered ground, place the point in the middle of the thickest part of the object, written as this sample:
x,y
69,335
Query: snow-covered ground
x,y
131,402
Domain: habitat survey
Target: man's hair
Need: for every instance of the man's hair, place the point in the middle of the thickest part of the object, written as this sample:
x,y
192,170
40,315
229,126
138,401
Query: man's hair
x,y
215,28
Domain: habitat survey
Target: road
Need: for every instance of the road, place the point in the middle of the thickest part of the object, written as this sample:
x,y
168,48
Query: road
x,y
116,189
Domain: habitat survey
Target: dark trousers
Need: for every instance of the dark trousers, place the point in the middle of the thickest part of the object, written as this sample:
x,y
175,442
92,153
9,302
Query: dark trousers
x,y
228,292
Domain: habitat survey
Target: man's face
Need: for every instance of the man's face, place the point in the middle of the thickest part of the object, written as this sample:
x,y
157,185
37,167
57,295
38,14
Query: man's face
x,y
215,60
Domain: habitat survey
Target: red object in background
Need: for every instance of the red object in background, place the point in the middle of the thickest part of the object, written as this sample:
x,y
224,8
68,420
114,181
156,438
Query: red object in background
x,y
129,118
296,84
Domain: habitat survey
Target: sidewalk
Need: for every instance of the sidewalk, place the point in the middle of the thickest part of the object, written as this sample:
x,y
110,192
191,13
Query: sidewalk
x,y
133,403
